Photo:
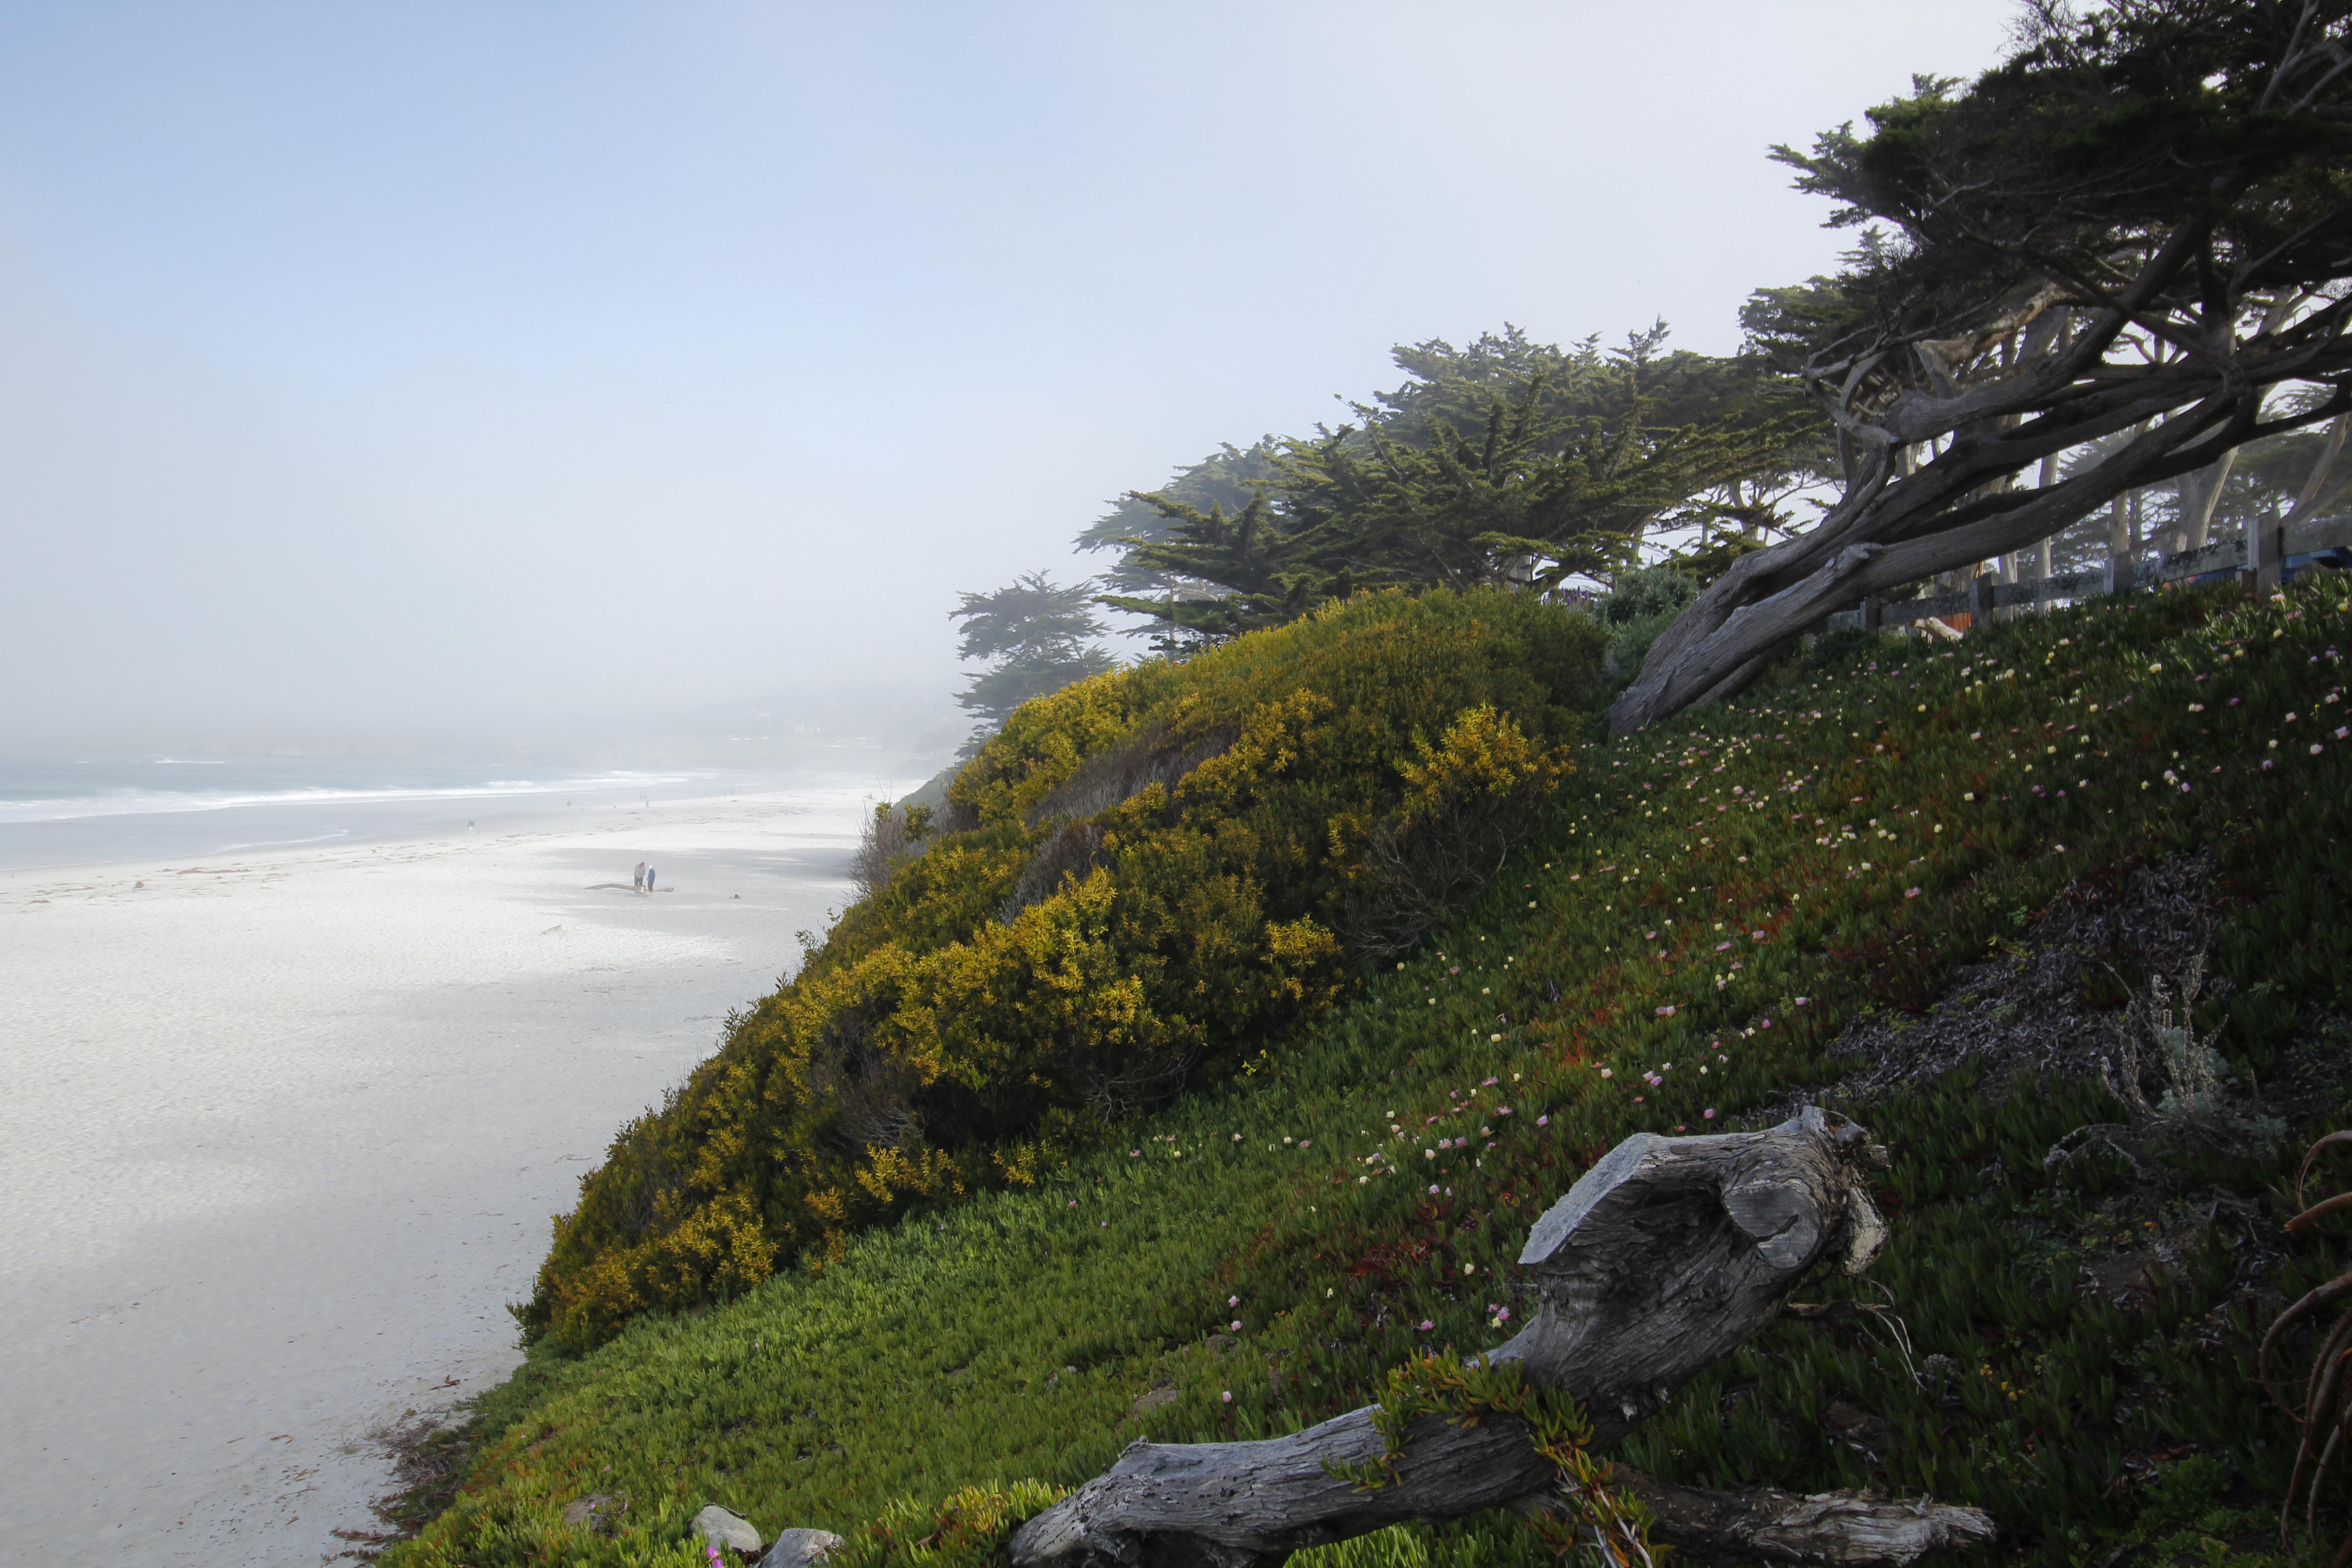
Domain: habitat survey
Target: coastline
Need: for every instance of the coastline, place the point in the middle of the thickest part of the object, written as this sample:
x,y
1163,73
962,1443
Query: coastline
x,y
290,1124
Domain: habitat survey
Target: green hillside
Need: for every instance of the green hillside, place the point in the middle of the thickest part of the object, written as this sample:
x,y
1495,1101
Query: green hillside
x,y
1913,879
1158,872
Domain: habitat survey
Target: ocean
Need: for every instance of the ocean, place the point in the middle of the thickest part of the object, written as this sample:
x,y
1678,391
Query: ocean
x,y
79,811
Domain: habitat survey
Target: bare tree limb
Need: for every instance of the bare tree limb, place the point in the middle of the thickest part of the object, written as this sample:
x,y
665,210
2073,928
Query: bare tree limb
x,y
1664,1257
1845,1527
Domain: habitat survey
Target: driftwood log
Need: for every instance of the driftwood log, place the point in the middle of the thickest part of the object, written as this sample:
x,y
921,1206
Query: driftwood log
x,y
1769,1526
1665,1256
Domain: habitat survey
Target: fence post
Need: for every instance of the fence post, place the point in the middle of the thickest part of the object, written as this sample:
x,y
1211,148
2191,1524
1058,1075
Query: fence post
x,y
2265,548
2119,572
1978,619
1870,613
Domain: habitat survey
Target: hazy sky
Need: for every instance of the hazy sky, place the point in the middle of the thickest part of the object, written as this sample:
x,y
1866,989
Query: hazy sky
x,y
417,367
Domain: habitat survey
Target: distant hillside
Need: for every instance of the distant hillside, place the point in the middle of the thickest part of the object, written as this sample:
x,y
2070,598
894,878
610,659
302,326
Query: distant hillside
x,y
1922,882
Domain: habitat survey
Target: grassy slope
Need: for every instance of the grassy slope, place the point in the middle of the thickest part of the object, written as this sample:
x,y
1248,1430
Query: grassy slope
x,y
1001,986
1010,1338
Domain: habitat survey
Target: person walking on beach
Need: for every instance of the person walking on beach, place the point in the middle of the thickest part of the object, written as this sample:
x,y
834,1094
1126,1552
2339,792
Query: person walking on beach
x,y
640,883
649,879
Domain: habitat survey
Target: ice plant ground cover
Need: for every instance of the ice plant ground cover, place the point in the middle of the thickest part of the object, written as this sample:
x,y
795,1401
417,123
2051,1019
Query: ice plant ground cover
x,y
1710,904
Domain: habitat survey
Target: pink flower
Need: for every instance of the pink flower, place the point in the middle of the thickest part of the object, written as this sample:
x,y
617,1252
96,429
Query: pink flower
x,y
1910,892
1802,1001
1237,1325
1425,1324
1543,1120
1709,1115
1135,1153
1229,1396
1665,1011
1233,1300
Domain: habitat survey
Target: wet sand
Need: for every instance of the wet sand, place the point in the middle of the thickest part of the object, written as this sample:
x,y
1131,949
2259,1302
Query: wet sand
x,y
283,1133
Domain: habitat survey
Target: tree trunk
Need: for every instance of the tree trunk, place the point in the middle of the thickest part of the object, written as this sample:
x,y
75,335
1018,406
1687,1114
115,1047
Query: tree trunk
x,y
1889,528
1664,1257
2315,484
2197,517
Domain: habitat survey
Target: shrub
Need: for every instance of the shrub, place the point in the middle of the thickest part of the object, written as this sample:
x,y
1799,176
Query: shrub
x,y
1637,610
1152,884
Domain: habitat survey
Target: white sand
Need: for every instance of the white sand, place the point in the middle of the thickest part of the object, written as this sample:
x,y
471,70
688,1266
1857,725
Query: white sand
x,y
281,1137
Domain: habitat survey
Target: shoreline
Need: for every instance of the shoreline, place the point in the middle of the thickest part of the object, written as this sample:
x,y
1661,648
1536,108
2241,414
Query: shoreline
x,y
293,1122
285,817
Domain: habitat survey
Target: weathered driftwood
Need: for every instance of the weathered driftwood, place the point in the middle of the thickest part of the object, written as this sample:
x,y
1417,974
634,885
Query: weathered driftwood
x,y
1844,1528
1664,1257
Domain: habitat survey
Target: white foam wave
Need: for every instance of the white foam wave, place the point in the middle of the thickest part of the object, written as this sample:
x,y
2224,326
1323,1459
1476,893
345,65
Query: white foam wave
x,y
285,843
146,803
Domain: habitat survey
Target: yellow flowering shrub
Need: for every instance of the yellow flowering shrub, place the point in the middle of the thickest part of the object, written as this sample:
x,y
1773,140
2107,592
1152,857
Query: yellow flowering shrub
x,y
1144,880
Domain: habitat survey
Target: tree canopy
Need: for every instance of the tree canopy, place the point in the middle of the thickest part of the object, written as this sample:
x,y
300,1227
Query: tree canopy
x,y
1041,638
2139,223
1504,463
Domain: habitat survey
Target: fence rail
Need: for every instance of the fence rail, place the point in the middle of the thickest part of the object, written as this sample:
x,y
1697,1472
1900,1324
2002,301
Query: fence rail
x,y
2328,547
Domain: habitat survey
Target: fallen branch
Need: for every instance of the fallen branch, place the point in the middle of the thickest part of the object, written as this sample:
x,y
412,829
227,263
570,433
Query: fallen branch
x,y
1846,1528
1666,1256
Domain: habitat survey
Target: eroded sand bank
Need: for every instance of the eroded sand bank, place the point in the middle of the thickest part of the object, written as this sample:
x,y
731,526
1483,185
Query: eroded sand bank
x,y
282,1133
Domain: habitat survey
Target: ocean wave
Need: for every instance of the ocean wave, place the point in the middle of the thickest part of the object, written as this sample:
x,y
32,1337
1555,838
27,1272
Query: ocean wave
x,y
134,801
285,843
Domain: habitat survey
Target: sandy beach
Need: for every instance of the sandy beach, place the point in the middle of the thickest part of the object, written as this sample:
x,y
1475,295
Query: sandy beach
x,y
283,1133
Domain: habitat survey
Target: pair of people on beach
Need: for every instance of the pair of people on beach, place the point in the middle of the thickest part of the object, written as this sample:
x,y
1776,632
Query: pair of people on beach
x,y
644,878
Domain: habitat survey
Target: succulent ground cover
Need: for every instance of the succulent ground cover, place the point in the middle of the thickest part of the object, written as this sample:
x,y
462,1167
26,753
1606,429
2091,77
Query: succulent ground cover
x,y
1831,889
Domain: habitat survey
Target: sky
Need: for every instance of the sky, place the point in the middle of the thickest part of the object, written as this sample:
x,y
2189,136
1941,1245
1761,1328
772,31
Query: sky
x,y
450,370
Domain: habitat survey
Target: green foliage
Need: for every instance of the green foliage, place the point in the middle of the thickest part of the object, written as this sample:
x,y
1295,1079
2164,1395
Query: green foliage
x,y
1439,1385
1507,462
1226,479
2103,135
968,1529
1029,1334
1163,873
1040,637
1639,606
